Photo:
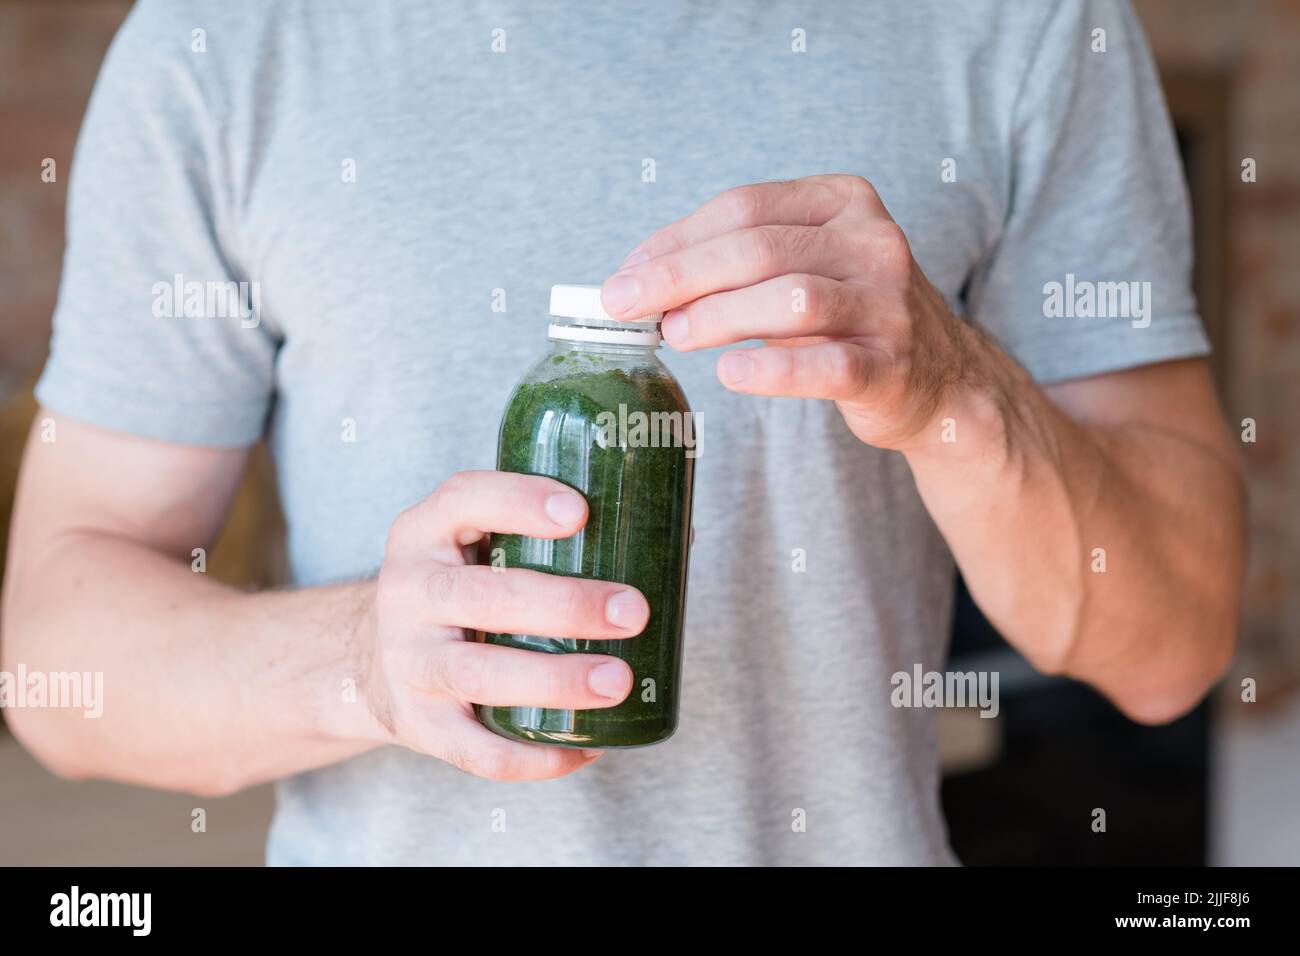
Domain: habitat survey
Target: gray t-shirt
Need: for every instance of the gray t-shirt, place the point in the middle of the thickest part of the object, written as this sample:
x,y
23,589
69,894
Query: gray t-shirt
x,y
381,169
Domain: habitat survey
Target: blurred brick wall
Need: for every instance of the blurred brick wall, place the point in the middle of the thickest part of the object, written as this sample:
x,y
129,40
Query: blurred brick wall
x,y
1258,43
50,51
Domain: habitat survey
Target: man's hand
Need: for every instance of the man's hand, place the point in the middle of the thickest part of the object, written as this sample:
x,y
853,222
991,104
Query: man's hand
x,y
423,676
818,269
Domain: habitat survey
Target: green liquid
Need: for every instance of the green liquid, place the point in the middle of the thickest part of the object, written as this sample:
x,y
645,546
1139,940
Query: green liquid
x,y
637,533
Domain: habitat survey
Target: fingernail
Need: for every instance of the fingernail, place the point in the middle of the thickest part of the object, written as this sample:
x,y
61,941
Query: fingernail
x,y
734,368
675,327
635,257
608,680
592,754
565,508
621,293
625,609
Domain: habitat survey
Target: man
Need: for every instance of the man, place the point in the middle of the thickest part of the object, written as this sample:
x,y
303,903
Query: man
x,y
388,172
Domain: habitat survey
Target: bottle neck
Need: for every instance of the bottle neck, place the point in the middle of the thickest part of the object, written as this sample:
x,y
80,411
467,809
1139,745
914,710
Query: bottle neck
x,y
642,334
604,348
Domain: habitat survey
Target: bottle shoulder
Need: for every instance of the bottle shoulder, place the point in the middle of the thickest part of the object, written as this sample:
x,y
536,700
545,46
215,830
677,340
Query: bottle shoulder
x,y
594,382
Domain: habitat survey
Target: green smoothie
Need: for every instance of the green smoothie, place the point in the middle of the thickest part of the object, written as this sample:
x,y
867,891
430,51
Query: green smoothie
x,y
612,422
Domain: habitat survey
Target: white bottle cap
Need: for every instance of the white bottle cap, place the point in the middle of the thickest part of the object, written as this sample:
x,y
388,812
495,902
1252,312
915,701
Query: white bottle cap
x,y
589,322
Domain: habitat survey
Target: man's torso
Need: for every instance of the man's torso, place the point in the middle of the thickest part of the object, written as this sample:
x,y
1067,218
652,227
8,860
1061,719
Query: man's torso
x,y
542,153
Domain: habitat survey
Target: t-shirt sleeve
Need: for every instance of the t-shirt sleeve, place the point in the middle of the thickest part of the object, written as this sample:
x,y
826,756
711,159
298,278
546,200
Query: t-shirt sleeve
x,y
157,331
1092,269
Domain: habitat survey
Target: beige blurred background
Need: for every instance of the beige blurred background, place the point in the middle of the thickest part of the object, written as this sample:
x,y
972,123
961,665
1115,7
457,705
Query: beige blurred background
x,y
1231,72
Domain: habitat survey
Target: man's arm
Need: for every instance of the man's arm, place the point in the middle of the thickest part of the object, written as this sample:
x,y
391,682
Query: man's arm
x,y
209,689
1137,463
1099,524
206,688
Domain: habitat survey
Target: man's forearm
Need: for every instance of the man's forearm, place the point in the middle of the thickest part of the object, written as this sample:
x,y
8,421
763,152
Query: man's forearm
x,y
206,689
1112,554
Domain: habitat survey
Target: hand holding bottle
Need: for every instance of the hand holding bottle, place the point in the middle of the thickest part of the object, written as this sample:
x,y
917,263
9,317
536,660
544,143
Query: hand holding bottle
x,y
423,676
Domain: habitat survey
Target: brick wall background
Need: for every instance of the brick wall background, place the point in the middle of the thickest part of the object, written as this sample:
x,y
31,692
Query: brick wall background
x,y
49,55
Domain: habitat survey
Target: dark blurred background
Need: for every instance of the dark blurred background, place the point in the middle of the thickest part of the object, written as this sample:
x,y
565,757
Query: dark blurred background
x,y
1219,786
